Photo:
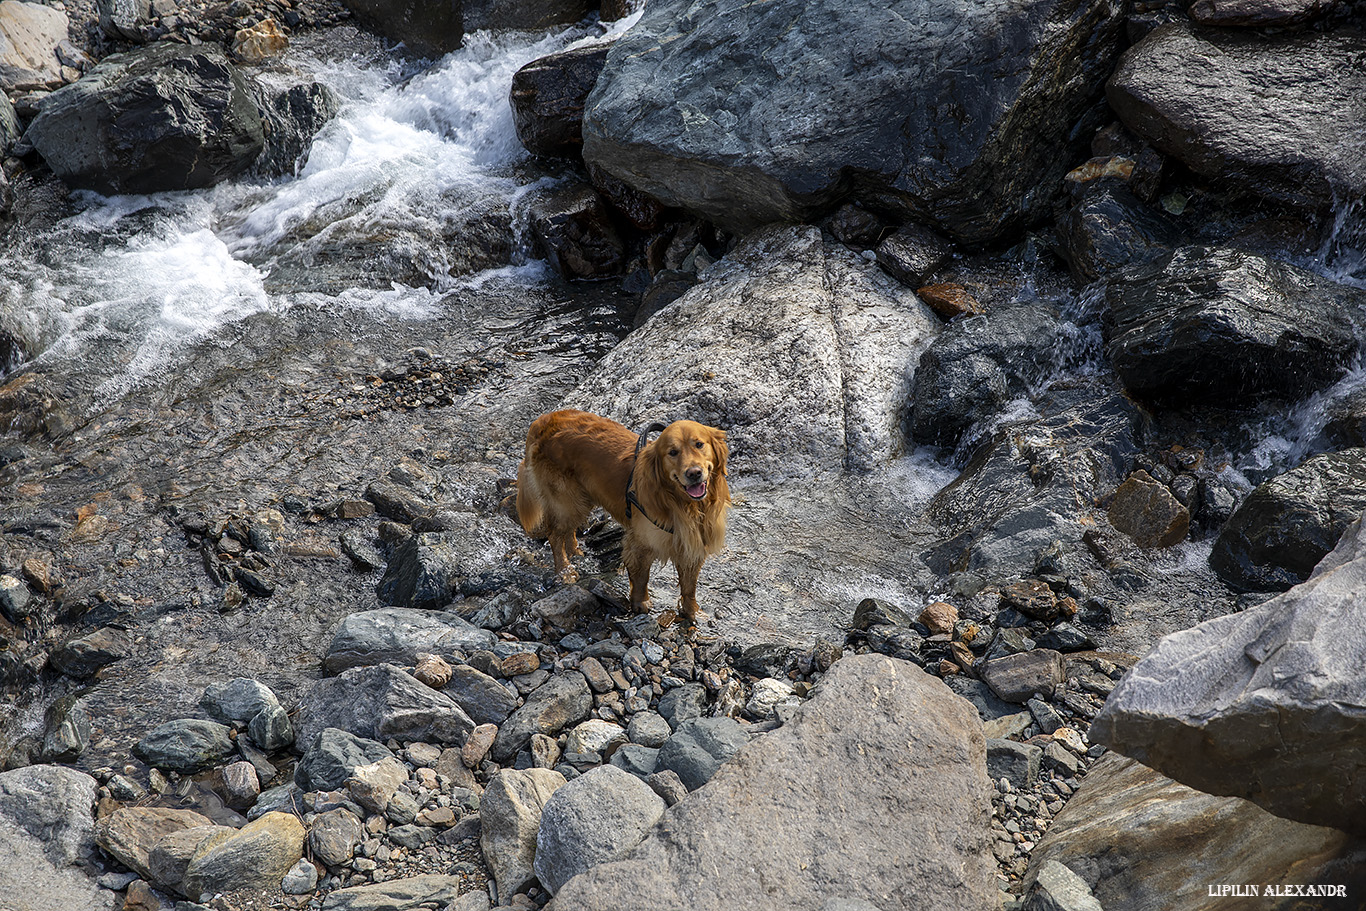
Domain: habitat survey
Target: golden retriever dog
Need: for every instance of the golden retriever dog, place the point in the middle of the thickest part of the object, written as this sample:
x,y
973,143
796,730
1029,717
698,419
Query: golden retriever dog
x,y
669,494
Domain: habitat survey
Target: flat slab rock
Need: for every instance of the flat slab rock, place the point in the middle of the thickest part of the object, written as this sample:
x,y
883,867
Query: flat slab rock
x,y
1268,704
876,791
1142,841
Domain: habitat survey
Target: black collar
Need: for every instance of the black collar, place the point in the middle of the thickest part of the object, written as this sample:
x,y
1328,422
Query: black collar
x,y
631,479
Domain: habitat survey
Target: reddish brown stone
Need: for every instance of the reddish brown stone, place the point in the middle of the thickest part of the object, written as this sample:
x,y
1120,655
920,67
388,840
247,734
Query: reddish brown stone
x,y
949,299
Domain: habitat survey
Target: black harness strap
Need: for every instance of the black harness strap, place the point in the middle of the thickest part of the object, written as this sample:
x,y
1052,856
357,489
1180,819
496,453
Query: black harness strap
x,y
631,478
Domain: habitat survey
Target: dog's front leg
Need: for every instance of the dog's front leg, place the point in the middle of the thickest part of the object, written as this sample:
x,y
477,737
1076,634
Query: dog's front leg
x,y
638,561
561,545
687,588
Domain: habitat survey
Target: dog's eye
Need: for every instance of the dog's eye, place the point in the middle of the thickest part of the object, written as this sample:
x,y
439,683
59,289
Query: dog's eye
x,y
697,443
673,453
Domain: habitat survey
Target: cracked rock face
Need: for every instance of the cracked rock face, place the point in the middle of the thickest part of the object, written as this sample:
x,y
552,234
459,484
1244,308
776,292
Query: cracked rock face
x,y
1268,704
804,379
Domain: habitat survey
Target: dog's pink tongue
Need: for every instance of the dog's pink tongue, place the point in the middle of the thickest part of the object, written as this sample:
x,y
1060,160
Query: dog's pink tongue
x,y
697,491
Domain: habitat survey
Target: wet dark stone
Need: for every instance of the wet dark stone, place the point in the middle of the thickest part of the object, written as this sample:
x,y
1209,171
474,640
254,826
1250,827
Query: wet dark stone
x,y
430,570
163,117
1273,116
547,100
576,233
856,226
1109,229
66,730
187,746
1066,638
292,117
428,27
768,659
1223,327
82,658
1347,420
1288,524
683,704
897,642
911,254
976,366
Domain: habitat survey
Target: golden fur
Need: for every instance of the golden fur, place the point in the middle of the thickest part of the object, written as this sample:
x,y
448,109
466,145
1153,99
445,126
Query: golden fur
x,y
575,461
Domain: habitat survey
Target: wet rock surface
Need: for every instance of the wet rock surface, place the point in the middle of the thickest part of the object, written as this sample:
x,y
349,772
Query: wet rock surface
x,y
296,526
1042,65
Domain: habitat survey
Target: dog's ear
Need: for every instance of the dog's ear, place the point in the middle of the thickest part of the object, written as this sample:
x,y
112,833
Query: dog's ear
x,y
718,446
653,458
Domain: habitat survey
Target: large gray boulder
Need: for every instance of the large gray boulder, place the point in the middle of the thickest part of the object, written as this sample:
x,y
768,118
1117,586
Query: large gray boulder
x,y
163,117
429,570
398,635
953,113
592,819
29,35
845,801
1266,704
1185,328
1288,524
55,805
801,352
378,703
1277,117
32,880
1142,841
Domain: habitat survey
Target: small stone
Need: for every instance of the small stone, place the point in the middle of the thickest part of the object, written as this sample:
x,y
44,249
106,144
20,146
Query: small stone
x,y
1048,719
1016,678
545,751
939,618
599,681
668,785
301,879
259,43
594,736
1059,759
14,599
950,300
402,809
433,671
478,746
767,695
1031,597
1147,512
373,785
1069,738
1017,763
648,729
440,817
423,755
521,663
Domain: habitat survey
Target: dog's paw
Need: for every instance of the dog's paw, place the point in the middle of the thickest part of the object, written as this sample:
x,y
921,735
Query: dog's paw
x,y
568,575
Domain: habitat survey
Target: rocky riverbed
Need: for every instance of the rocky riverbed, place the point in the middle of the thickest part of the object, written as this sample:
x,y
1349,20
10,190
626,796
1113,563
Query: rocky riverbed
x,y
1035,329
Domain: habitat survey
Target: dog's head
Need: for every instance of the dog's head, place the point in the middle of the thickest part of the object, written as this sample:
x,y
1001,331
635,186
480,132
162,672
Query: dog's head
x,y
690,458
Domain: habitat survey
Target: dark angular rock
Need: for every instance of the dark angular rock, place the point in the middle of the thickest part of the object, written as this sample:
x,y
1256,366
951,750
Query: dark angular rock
x,y
699,747
989,706
974,367
1031,597
483,698
331,758
912,254
84,657
683,704
856,226
1218,326
872,612
66,730
1270,116
766,659
575,230
293,116
1066,638
1259,13
429,570
381,702
561,701
1016,678
186,746
547,100
744,154
398,635
1016,762
1109,229
1288,524
164,117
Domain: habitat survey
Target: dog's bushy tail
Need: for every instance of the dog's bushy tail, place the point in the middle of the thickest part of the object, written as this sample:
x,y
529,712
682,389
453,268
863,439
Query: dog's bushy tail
x,y
530,509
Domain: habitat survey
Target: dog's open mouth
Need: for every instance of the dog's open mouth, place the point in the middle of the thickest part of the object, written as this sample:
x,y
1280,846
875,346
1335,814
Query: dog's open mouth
x,y
697,491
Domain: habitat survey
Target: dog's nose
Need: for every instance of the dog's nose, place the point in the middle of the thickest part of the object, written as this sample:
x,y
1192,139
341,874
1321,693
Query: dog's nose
x,y
693,474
